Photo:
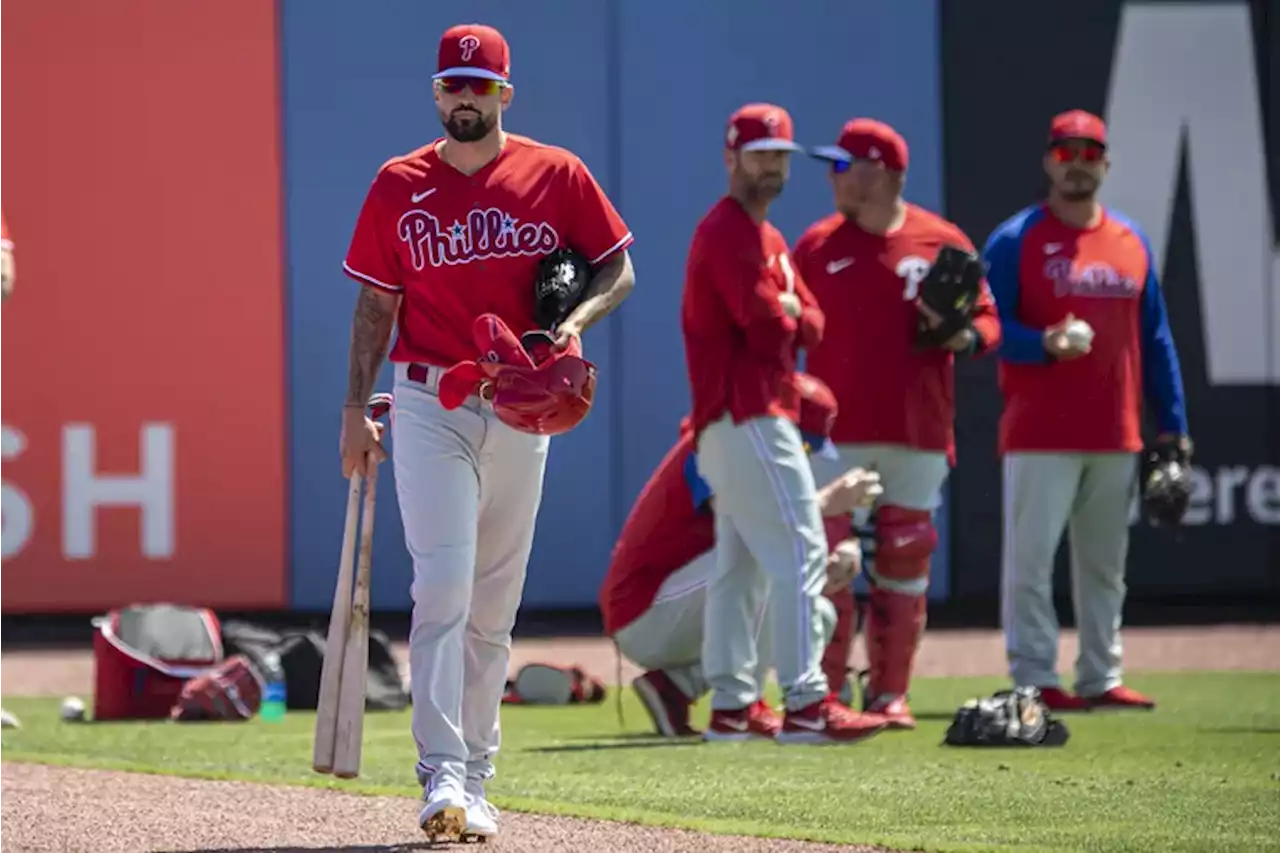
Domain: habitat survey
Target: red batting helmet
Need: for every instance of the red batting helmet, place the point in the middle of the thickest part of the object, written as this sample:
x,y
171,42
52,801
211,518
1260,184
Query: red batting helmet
x,y
548,399
533,387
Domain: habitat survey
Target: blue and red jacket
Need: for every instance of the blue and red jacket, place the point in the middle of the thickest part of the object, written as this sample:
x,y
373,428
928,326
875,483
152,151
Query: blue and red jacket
x,y
1040,270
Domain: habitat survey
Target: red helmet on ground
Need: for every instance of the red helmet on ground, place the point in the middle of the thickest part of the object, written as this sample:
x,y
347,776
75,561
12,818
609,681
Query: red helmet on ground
x,y
532,386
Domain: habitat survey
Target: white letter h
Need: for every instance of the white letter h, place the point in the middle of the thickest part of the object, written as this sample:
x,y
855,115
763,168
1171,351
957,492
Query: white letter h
x,y
83,490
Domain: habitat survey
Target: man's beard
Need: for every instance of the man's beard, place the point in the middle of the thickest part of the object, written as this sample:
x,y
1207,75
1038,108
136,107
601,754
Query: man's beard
x,y
468,125
764,189
1078,187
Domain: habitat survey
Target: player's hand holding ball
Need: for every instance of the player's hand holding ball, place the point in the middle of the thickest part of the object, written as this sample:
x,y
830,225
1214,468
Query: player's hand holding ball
x,y
854,489
843,565
790,305
360,437
1068,339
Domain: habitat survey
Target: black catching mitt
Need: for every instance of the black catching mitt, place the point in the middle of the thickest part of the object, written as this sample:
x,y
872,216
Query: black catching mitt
x,y
950,289
1166,481
562,279
1015,717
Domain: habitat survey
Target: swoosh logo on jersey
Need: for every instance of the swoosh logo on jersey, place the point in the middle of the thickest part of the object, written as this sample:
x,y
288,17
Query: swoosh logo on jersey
x,y
834,267
902,541
811,725
417,197
1052,248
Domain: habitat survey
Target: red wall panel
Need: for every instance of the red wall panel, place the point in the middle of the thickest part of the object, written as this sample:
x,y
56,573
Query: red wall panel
x,y
142,348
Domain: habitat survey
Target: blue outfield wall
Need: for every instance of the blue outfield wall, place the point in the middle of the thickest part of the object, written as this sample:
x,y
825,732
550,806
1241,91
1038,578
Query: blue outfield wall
x,y
640,92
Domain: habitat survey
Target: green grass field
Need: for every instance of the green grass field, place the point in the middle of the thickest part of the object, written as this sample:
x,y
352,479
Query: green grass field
x,y
1202,773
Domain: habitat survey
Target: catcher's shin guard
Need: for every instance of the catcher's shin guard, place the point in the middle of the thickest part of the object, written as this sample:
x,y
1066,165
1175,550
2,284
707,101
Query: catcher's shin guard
x,y
835,658
896,611
895,625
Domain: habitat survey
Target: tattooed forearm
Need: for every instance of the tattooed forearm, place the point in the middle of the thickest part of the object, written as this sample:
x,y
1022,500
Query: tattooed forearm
x,y
375,318
610,285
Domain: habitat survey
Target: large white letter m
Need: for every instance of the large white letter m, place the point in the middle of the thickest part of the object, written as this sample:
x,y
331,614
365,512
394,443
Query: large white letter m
x,y
1184,81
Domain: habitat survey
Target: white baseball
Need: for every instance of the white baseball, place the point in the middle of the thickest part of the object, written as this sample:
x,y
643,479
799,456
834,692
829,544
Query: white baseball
x,y
72,709
1079,334
790,304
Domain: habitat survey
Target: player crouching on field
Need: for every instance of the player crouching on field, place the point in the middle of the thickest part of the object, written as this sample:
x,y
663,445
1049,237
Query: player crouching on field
x,y
653,596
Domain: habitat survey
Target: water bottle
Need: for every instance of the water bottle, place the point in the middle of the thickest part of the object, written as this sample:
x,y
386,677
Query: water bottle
x,y
273,697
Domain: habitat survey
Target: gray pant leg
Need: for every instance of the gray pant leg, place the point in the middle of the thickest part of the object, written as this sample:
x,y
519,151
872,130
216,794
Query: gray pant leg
x,y
1038,492
766,509
737,593
668,636
1099,536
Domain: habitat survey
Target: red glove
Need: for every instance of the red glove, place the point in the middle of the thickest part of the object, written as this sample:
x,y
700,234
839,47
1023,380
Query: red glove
x,y
232,690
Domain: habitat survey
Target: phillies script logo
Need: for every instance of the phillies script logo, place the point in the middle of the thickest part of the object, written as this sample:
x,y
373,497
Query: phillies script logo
x,y
486,234
1100,281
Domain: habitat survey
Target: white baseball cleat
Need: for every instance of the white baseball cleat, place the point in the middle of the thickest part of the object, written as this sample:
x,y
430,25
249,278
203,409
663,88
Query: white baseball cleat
x,y
482,816
444,816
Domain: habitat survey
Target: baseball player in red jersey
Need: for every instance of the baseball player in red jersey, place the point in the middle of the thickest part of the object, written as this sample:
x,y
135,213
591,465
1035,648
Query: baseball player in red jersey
x,y
654,594
8,271
864,264
1086,339
448,232
745,314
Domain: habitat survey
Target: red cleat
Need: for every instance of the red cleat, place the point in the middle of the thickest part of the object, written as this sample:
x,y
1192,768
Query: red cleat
x,y
829,722
1120,698
666,705
757,720
895,710
1060,701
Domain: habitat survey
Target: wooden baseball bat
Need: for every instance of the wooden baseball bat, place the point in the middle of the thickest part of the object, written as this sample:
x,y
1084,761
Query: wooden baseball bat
x,y
351,694
339,623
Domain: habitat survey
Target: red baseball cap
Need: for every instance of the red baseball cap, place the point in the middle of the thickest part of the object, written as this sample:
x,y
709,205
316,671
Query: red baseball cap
x,y
867,139
1078,124
474,50
760,127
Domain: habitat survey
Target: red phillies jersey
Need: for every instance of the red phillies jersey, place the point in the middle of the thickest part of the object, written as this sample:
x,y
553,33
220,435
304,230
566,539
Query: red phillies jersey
x,y
458,246
667,529
867,286
1041,270
740,346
